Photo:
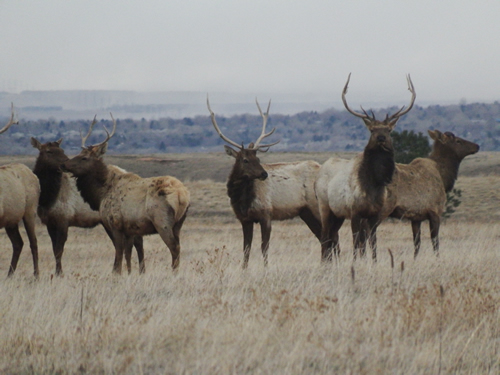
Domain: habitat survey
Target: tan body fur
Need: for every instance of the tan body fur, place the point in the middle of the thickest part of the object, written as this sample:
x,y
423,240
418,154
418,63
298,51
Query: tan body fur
x,y
407,184
19,192
287,190
133,203
339,191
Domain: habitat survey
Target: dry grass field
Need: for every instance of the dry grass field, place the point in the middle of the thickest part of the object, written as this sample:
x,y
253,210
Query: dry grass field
x,y
430,315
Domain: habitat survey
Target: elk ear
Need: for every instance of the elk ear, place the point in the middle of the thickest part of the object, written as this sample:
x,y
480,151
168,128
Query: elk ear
x,y
392,124
36,143
100,150
436,135
433,134
230,151
368,123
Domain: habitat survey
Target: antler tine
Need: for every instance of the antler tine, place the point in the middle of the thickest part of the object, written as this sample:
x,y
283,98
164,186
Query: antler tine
x,y
357,114
11,121
84,139
217,129
114,125
411,88
108,135
263,134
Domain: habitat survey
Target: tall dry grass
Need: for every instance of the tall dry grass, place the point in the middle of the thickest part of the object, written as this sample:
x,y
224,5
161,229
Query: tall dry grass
x,y
297,316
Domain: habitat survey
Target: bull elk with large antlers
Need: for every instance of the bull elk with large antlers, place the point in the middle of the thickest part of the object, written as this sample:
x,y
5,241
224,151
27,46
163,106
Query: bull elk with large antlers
x,y
260,193
61,206
357,189
130,205
19,192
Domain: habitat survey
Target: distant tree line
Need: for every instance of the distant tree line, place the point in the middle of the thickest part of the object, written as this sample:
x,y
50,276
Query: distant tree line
x,y
331,130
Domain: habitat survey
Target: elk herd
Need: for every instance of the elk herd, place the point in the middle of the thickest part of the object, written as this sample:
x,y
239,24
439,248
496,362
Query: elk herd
x,y
85,192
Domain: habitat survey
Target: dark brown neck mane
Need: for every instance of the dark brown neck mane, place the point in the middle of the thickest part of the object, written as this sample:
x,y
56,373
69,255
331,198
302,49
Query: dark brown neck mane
x,y
375,173
241,193
448,164
50,184
92,186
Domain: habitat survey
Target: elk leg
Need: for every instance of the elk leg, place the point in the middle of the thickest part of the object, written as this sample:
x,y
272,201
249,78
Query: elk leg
x,y
58,236
117,265
29,225
330,236
247,227
311,221
17,246
119,241
128,259
359,232
334,235
139,247
371,228
164,225
434,223
326,237
128,254
265,229
415,227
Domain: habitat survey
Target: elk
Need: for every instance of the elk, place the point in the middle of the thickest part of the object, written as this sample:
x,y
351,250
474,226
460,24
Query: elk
x,y
19,192
357,189
130,205
61,206
419,188
260,193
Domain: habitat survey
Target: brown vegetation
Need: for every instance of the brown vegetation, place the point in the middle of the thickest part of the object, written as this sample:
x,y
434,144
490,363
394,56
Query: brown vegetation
x,y
294,316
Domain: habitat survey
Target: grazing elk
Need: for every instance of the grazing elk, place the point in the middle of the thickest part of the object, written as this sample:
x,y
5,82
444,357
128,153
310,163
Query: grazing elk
x,y
357,189
260,193
419,188
19,192
130,205
61,206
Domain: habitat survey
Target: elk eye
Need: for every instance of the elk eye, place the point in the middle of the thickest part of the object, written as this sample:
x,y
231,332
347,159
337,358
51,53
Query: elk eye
x,y
85,158
245,161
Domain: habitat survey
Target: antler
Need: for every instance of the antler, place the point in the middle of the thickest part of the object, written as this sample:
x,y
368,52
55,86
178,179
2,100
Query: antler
x,y
217,129
84,139
388,118
363,115
263,134
400,113
253,146
11,121
108,135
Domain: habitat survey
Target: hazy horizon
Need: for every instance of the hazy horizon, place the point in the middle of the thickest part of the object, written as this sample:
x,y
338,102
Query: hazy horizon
x,y
256,49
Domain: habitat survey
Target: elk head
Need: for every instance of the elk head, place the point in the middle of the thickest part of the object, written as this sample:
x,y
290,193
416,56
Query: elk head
x,y
51,155
380,130
448,143
247,165
11,120
85,161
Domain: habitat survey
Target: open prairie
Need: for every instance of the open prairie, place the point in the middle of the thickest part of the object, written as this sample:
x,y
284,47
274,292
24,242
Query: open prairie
x,y
400,315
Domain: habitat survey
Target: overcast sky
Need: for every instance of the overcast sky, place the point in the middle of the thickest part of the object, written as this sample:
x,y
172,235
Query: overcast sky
x,y
450,47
